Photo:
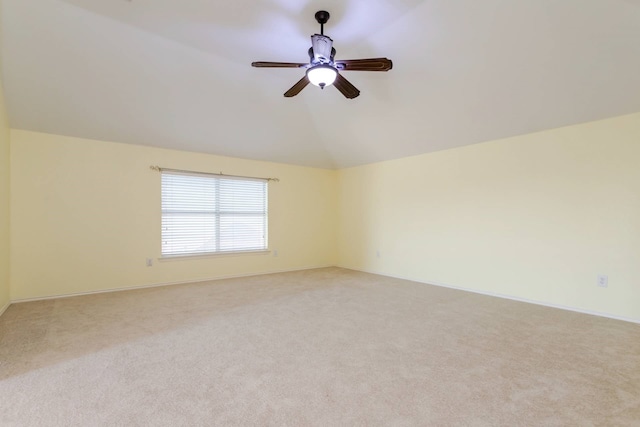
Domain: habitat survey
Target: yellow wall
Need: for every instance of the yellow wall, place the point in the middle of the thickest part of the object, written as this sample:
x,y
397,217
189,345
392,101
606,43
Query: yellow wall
x,y
4,204
534,217
86,215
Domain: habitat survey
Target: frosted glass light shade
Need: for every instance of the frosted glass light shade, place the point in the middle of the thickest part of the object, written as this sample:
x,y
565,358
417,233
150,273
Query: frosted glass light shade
x,y
322,75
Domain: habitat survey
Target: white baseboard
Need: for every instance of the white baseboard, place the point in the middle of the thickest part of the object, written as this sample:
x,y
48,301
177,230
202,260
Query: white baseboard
x,y
444,285
511,297
3,309
156,285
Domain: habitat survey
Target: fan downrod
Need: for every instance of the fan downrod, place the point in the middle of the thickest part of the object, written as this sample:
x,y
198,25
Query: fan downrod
x,y
322,16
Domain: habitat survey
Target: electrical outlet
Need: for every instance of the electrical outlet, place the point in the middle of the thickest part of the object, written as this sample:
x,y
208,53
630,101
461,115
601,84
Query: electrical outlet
x,y
275,252
603,280
149,262
377,254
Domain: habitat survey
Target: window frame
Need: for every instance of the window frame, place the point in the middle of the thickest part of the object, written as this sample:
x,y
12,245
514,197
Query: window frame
x,y
229,190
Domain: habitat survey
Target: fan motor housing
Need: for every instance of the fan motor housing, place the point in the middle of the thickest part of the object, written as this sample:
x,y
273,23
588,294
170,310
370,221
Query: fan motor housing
x,y
322,49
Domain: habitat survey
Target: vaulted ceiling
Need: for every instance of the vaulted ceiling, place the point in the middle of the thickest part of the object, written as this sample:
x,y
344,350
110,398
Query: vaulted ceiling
x,y
177,74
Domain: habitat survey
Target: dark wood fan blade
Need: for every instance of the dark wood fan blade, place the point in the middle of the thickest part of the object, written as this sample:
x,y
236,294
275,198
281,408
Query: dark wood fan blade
x,y
296,88
266,64
371,64
345,87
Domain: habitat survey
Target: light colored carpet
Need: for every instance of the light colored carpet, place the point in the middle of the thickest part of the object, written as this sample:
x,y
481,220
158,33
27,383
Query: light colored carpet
x,y
327,347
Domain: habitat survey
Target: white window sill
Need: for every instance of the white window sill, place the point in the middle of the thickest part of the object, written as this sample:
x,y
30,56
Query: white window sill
x,y
211,255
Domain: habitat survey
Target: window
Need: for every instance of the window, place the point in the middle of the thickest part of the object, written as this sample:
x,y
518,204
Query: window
x,y
207,214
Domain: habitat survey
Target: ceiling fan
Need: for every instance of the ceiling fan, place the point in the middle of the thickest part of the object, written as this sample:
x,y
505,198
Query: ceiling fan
x,y
323,70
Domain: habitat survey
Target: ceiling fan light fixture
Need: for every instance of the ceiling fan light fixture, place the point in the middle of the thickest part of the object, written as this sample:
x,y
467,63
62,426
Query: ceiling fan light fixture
x,y
322,75
322,69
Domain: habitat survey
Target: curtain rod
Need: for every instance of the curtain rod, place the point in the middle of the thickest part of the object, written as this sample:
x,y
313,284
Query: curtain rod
x,y
159,169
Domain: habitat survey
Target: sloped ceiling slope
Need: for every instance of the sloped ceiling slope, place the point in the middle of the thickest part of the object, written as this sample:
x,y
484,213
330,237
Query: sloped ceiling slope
x,y
177,74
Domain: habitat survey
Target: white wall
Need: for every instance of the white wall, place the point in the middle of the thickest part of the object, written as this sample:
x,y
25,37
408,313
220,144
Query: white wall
x,y
535,217
85,215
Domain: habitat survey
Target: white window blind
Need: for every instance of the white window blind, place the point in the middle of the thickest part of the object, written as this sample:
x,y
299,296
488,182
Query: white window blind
x,y
204,214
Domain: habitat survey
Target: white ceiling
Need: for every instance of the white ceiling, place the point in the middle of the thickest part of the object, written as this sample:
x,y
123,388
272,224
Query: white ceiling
x,y
177,74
